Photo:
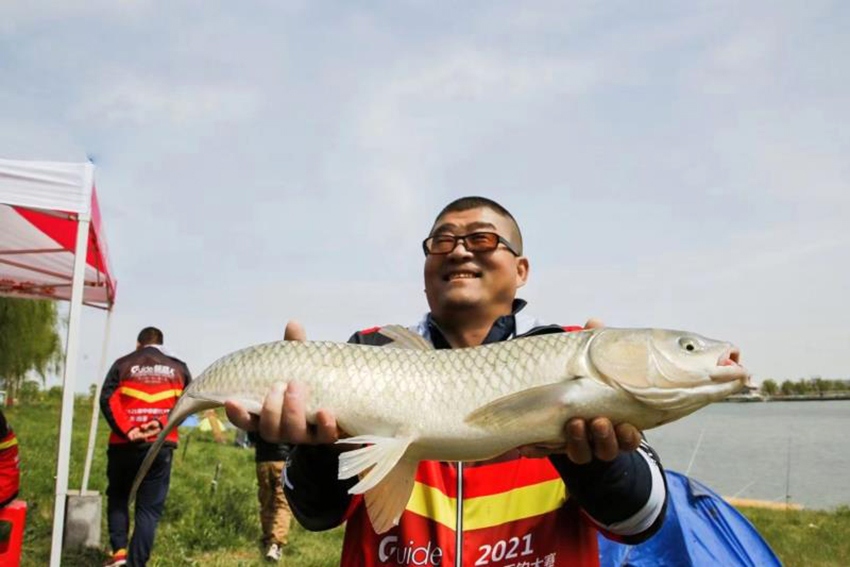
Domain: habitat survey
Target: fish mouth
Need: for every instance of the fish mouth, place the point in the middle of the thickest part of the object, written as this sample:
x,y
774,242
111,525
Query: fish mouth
x,y
729,368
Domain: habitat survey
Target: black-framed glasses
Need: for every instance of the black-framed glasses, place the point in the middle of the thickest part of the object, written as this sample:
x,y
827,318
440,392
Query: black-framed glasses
x,y
474,242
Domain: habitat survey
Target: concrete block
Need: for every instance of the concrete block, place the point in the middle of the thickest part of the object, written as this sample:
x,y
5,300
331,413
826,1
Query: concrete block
x,y
82,520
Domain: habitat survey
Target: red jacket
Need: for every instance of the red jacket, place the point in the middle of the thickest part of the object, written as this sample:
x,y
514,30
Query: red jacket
x,y
515,512
141,387
10,473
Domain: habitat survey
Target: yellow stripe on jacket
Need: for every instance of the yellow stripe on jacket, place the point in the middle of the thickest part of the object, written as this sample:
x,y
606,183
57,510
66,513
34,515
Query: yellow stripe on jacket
x,y
488,511
149,398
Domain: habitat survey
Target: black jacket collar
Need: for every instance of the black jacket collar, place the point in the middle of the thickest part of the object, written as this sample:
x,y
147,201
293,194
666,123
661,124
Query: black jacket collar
x,y
503,328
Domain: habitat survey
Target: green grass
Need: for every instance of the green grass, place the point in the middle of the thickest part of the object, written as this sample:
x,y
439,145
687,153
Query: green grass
x,y
805,538
221,528
199,527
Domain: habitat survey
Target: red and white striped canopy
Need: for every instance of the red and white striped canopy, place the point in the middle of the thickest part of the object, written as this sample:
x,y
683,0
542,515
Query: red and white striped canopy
x,y
40,203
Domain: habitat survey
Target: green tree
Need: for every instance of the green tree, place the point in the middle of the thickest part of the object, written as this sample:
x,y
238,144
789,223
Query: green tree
x,y
769,387
29,341
787,388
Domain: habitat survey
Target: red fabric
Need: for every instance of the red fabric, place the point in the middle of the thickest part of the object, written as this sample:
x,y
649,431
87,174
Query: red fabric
x,y
64,232
370,331
562,536
142,387
131,411
10,472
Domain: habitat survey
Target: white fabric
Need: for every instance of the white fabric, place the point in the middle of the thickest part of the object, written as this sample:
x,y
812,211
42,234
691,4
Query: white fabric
x,y
646,516
50,269
47,185
32,264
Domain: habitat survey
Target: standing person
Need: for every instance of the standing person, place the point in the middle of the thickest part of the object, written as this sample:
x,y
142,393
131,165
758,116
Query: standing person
x,y
138,392
275,516
534,506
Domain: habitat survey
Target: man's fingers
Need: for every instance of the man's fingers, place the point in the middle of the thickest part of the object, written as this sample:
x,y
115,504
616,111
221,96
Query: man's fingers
x,y
628,437
270,415
294,332
240,417
605,446
578,446
326,430
293,425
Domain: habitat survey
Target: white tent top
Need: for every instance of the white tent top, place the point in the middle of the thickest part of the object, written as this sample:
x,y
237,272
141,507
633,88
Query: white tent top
x,y
40,204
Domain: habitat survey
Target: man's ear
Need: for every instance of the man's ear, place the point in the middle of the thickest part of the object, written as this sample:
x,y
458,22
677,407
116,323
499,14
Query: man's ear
x,y
522,268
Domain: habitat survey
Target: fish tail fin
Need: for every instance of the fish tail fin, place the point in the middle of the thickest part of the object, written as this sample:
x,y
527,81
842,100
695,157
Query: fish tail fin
x,y
184,407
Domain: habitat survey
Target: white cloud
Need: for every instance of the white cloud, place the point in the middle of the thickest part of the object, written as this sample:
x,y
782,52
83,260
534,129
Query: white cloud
x,y
134,101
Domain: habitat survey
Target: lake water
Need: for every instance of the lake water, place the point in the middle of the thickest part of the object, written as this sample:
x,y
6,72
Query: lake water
x,y
764,450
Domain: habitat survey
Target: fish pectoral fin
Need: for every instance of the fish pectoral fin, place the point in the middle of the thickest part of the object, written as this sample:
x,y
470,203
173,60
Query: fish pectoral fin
x,y
542,404
379,456
387,501
405,338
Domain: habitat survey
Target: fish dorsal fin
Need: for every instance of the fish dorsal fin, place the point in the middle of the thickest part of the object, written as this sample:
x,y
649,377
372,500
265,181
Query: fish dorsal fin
x,y
387,501
405,338
539,405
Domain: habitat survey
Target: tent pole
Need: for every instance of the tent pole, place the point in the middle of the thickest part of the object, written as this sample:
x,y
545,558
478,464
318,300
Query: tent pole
x,y
95,406
68,383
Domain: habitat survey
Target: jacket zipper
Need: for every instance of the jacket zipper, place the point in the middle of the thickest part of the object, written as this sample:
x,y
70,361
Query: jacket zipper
x,y
459,527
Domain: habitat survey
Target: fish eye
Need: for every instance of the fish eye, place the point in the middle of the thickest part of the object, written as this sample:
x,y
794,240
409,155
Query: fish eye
x,y
688,344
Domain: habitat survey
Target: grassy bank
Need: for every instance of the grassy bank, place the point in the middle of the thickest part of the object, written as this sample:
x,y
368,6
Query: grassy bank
x,y
805,538
200,527
221,527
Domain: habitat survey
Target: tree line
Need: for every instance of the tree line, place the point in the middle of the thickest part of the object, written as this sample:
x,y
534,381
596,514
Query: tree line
x,y
804,386
29,344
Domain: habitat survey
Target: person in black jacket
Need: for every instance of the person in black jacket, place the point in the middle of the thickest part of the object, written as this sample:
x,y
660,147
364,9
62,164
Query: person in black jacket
x,y
275,516
138,392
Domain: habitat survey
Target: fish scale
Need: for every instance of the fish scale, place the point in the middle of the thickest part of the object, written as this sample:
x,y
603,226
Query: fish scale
x,y
403,405
459,381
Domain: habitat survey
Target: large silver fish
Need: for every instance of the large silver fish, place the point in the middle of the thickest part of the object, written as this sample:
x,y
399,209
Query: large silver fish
x,y
413,403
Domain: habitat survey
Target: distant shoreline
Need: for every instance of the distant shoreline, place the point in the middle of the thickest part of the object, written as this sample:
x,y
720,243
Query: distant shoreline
x,y
745,398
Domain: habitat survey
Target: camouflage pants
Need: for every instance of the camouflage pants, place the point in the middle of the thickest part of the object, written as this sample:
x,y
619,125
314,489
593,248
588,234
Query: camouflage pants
x,y
274,509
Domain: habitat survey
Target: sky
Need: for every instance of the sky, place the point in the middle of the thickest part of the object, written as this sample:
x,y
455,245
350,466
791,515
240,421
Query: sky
x,y
678,165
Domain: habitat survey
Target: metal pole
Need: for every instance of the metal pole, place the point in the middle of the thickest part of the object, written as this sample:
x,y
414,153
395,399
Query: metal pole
x,y
68,382
95,406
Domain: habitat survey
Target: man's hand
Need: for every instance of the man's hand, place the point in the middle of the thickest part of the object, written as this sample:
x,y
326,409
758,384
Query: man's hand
x,y
282,418
597,438
151,428
142,432
587,439
135,434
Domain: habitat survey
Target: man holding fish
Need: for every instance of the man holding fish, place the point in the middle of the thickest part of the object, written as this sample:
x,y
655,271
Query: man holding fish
x,y
538,505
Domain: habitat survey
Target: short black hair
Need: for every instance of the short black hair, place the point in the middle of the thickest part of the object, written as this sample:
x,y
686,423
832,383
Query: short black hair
x,y
150,336
473,202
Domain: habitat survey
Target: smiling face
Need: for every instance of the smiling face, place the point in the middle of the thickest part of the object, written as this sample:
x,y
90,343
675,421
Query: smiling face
x,y
461,282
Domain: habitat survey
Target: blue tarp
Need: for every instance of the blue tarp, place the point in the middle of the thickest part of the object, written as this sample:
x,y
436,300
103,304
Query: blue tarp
x,y
700,529
191,421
